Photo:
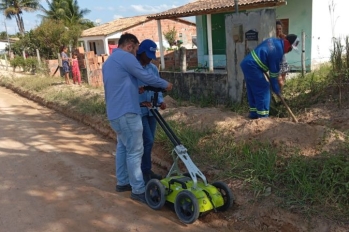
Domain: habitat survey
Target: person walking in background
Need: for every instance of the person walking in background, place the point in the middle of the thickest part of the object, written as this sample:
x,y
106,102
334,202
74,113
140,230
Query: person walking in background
x,y
65,64
145,54
76,70
121,73
267,56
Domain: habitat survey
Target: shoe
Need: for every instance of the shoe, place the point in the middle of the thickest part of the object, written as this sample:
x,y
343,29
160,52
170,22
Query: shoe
x,y
123,188
139,197
154,175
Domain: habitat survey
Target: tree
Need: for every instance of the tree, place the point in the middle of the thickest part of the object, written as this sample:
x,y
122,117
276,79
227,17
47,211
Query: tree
x,y
67,11
56,9
171,35
15,8
48,38
3,35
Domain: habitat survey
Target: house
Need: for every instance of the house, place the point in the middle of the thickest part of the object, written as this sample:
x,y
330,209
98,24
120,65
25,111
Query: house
x,y
321,21
210,25
6,44
309,16
226,31
101,39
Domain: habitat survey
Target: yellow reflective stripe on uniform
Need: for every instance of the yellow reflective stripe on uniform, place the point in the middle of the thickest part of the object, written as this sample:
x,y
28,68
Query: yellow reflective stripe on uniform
x,y
259,62
262,112
253,109
273,75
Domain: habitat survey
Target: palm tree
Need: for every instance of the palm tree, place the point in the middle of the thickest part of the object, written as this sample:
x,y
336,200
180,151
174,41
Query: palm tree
x,y
15,8
75,15
56,9
67,11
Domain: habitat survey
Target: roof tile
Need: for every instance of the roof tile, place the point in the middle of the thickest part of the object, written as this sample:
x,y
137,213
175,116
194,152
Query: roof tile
x,y
209,6
115,26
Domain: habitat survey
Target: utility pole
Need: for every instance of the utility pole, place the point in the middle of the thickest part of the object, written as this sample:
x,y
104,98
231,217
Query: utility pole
x,y
8,40
236,5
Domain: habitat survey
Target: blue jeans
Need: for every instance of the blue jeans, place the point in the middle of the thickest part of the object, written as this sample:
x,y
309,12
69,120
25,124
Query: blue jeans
x,y
129,151
149,127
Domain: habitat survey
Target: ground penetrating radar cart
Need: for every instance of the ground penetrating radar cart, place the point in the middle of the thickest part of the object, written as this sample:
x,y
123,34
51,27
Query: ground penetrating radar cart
x,y
189,192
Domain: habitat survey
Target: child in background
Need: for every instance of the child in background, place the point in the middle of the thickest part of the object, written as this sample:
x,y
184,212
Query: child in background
x,y
76,70
65,64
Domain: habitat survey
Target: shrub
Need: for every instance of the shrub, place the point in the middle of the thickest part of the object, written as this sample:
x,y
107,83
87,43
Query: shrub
x,y
31,64
28,65
18,61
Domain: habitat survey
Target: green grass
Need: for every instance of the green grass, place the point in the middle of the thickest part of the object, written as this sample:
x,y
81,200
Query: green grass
x,y
310,184
319,184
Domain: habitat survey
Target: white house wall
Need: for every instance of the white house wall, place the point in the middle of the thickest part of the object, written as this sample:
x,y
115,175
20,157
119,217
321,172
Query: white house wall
x,y
99,41
3,46
299,13
314,17
115,35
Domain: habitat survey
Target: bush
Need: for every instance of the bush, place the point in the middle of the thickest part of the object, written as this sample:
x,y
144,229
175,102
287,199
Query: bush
x,y
31,64
18,61
28,65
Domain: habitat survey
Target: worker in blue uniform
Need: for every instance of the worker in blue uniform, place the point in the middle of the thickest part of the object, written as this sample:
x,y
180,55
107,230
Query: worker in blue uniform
x,y
267,56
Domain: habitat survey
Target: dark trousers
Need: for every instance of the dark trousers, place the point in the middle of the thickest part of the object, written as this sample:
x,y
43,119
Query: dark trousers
x,y
149,127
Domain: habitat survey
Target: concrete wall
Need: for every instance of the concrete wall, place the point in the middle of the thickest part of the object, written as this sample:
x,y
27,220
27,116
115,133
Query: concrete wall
x,y
196,86
236,25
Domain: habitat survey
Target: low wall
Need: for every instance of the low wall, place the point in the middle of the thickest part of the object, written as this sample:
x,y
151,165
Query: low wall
x,y
211,87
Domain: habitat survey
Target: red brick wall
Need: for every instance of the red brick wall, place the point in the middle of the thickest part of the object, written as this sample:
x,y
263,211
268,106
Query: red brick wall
x,y
172,59
52,66
149,30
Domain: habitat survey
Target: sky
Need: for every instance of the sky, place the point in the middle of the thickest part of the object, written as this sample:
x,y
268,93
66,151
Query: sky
x,y
102,11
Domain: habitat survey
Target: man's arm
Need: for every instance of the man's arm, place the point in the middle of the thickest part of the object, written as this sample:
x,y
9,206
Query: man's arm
x,y
133,66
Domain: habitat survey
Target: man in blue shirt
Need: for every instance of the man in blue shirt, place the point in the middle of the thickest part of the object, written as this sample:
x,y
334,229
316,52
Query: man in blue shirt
x,y
121,73
147,52
267,56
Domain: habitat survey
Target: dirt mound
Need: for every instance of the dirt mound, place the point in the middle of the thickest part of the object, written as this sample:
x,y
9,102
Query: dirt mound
x,y
309,137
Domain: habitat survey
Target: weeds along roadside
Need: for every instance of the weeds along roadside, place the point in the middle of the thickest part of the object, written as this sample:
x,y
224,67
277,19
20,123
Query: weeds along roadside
x,y
311,185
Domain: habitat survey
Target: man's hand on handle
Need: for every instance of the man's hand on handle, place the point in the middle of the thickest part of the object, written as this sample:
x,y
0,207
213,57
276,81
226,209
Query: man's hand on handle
x,y
169,86
163,106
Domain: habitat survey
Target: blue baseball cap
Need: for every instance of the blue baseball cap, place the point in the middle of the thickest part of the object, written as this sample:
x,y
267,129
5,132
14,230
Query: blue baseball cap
x,y
149,47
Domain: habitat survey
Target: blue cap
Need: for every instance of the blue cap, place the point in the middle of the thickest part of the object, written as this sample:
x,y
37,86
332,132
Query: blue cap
x,y
149,47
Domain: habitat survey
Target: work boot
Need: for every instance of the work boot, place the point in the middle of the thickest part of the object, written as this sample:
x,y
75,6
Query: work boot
x,y
139,197
123,188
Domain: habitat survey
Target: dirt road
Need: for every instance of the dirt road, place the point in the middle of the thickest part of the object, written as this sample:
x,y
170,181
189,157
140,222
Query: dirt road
x,y
58,175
